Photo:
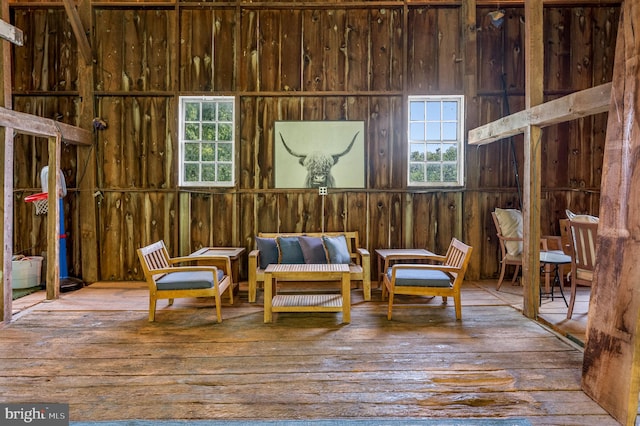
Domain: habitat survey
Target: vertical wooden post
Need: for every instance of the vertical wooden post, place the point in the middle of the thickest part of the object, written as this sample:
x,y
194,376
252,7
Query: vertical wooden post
x,y
534,82
470,49
470,46
86,211
53,220
6,186
611,367
6,296
184,241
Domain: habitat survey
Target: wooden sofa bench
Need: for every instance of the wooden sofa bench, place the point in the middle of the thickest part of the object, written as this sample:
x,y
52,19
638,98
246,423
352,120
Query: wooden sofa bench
x,y
359,268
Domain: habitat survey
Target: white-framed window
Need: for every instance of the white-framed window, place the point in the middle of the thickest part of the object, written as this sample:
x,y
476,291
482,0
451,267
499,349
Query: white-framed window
x,y
436,142
207,135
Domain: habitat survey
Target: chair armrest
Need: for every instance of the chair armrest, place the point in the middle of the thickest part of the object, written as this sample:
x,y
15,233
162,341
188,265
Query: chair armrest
x,y
435,257
388,261
216,261
554,242
362,251
253,259
362,256
180,259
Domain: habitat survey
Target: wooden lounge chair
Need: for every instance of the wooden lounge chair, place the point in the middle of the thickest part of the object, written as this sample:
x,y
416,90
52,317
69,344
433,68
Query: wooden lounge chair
x,y
168,280
510,251
441,279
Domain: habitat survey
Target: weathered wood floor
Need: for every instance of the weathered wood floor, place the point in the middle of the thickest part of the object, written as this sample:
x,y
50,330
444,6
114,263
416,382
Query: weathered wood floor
x,y
95,350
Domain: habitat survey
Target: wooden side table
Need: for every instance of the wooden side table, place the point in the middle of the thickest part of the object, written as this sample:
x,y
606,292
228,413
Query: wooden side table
x,y
213,255
555,259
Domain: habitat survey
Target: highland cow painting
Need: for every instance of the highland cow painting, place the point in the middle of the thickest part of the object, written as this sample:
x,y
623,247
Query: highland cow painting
x,y
314,154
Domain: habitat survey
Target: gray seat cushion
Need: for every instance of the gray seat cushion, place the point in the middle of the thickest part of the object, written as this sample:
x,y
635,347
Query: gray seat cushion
x,y
420,278
187,280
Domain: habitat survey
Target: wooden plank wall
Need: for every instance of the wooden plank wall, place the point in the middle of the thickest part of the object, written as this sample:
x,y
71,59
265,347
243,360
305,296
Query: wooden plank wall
x,y
310,61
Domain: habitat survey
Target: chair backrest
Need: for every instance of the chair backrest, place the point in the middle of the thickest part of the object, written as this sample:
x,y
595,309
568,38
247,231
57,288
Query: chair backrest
x,y
153,257
508,224
503,248
583,261
565,236
458,256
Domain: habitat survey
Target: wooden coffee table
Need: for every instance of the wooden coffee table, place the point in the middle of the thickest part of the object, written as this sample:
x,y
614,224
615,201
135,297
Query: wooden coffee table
x,y
307,302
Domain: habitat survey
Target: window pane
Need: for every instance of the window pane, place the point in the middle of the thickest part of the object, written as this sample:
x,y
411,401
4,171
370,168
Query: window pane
x,y
208,152
450,152
416,172
191,111
433,173
416,111
225,111
450,131
192,152
434,152
208,132
416,131
224,173
209,172
433,111
433,131
191,172
208,111
192,131
450,111
450,173
225,152
225,132
417,152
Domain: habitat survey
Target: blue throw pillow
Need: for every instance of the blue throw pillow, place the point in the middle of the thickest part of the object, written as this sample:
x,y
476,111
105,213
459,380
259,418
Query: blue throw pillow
x,y
268,251
312,249
337,250
290,250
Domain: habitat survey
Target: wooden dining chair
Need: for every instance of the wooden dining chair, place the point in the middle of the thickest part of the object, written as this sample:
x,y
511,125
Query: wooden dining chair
x,y
583,259
511,240
509,252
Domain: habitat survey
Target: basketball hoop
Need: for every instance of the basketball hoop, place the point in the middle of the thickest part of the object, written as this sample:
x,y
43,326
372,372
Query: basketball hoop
x,y
40,201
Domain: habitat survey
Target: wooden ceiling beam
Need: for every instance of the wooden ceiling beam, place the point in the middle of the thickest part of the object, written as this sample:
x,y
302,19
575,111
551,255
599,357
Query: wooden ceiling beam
x,y
78,31
45,127
11,33
591,101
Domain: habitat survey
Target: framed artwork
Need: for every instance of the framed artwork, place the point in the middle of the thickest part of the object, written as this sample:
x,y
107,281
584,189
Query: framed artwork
x,y
313,154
